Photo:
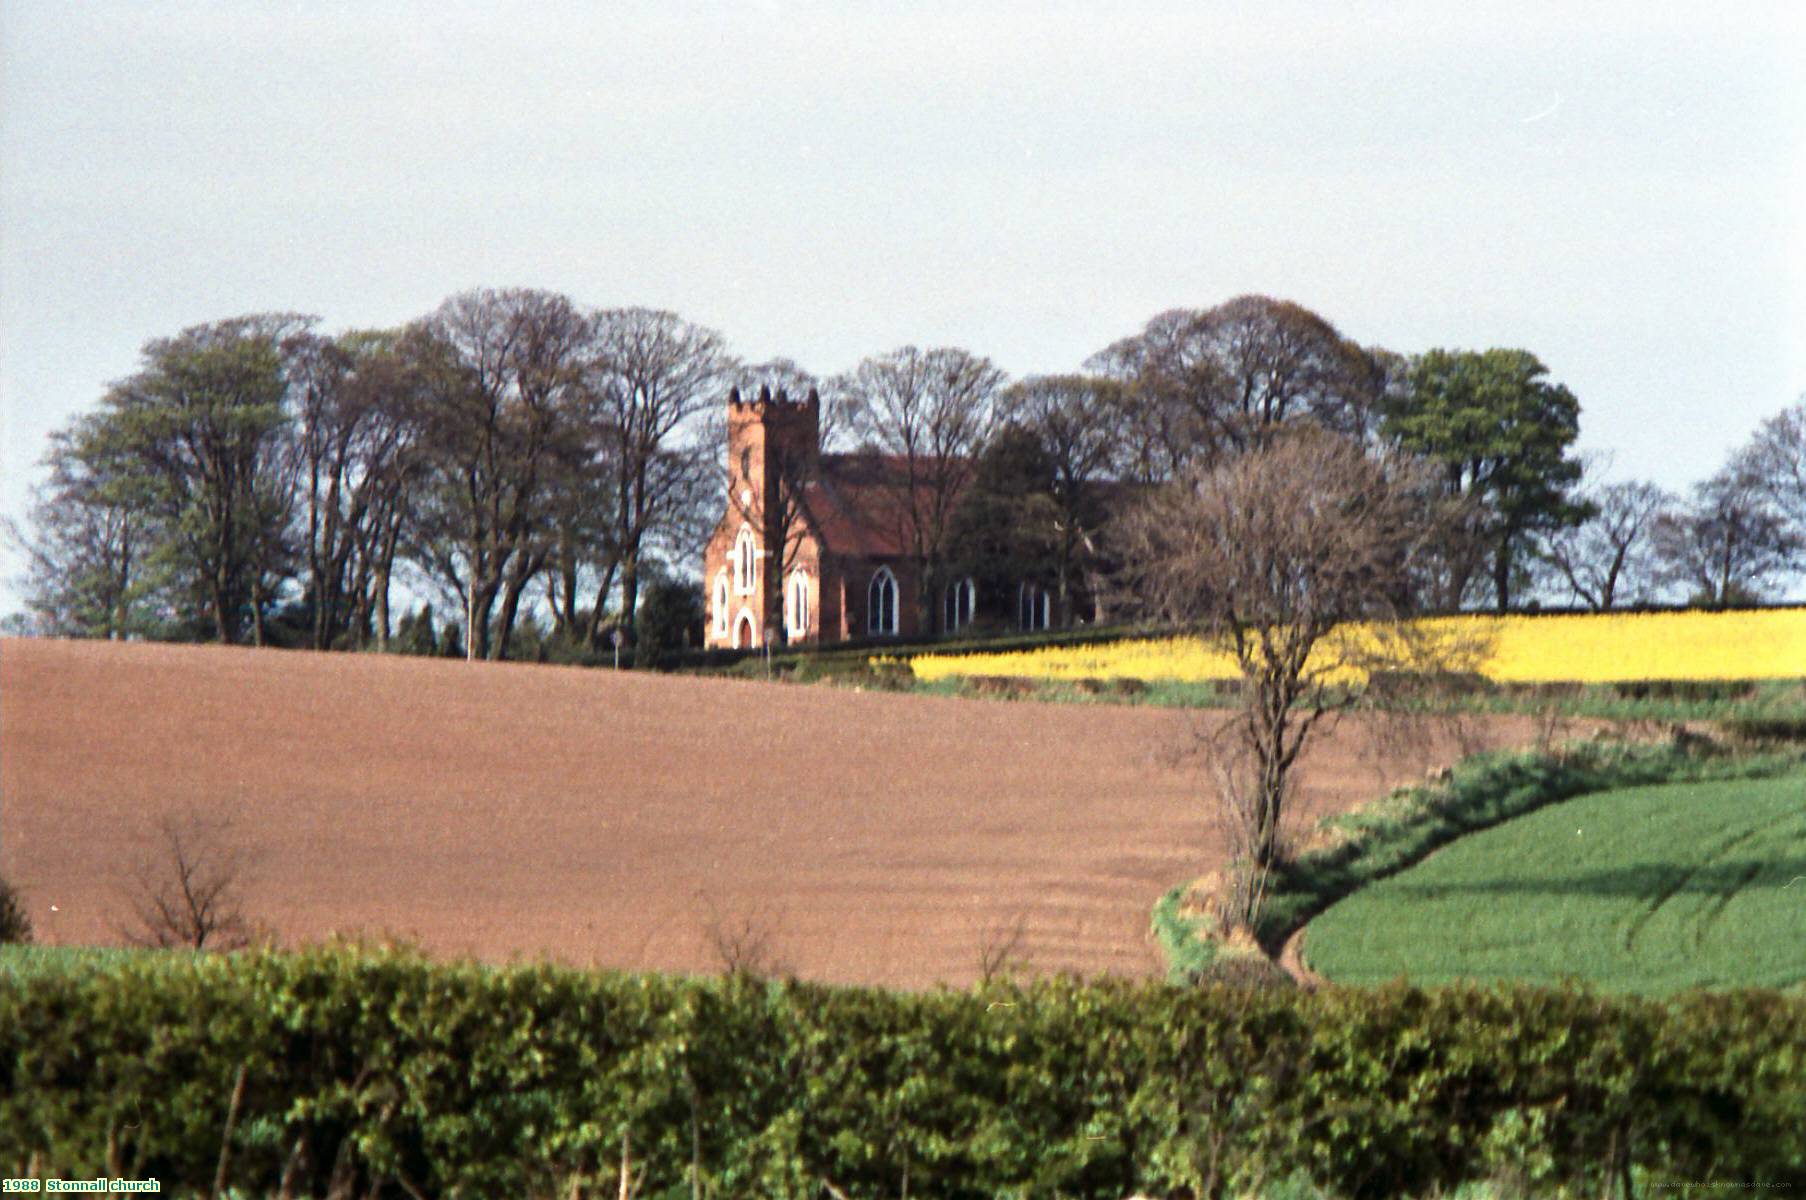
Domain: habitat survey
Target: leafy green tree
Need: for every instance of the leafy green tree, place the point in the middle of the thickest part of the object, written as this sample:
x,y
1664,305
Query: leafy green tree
x,y
198,435
85,544
1006,528
1501,434
417,633
672,616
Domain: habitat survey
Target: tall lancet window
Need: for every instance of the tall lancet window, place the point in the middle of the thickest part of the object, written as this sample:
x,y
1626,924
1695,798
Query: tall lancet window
x,y
881,603
796,605
746,561
721,603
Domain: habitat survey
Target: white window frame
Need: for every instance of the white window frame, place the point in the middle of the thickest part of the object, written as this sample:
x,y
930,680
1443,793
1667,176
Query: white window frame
x,y
874,610
959,589
720,602
746,561
796,605
1034,607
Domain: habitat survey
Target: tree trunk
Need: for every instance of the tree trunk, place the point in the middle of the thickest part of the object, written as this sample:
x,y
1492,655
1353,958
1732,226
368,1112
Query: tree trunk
x,y
630,595
481,603
257,612
516,587
1501,574
592,630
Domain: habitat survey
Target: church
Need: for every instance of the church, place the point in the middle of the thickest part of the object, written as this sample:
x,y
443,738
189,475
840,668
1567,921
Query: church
x,y
814,548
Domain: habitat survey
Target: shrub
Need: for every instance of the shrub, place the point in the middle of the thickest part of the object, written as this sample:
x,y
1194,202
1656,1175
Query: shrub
x,y
15,926
368,1072
1766,730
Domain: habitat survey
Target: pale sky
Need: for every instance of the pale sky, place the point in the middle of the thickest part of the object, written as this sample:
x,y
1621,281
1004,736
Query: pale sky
x,y
1619,188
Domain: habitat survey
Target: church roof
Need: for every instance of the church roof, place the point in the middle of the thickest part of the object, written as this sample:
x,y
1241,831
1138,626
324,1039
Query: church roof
x,y
859,504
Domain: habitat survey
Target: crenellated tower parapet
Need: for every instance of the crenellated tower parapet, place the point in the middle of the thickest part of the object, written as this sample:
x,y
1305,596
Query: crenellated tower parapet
x,y
774,448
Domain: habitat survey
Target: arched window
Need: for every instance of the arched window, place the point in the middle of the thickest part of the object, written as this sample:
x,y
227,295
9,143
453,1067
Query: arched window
x,y
1034,607
881,603
721,603
796,605
958,602
746,560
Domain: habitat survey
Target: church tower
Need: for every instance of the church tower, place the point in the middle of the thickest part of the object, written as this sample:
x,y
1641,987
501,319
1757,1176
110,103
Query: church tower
x,y
774,448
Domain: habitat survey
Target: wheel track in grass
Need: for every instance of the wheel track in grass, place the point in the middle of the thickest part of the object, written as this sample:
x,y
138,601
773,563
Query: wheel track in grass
x,y
1662,897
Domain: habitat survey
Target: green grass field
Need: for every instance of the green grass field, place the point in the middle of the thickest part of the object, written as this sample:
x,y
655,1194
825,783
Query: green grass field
x,y
1646,890
29,959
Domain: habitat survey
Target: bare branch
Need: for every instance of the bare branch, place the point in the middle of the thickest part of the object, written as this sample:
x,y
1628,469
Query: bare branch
x,y
187,888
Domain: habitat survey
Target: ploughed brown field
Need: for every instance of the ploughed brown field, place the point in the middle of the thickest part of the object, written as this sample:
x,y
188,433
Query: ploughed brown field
x,y
615,819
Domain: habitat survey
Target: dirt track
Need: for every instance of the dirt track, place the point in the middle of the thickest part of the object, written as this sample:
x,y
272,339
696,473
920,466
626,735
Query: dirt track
x,y
511,810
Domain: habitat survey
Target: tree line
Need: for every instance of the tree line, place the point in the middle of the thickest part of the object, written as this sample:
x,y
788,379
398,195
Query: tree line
x,y
526,461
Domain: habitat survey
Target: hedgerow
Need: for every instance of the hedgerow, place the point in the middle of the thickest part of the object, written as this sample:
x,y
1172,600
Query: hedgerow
x,y
360,1070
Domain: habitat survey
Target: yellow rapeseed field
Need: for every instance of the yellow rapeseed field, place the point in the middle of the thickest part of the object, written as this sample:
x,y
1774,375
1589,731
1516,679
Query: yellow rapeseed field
x,y
1590,648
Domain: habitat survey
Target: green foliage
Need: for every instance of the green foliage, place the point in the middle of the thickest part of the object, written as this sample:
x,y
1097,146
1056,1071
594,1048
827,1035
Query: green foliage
x,y
376,1068
451,641
194,437
1188,950
1501,434
672,616
1005,528
15,926
1641,700
1767,729
416,633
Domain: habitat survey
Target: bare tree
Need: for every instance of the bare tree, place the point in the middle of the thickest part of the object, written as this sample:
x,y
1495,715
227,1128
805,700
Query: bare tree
x,y
1610,556
1163,404
1775,460
1000,948
501,401
1728,542
932,410
188,888
1072,416
1275,555
744,943
1202,383
354,444
653,377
